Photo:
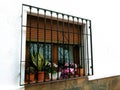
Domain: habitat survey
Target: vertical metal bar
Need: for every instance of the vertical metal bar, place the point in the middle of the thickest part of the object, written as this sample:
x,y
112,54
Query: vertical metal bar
x,y
51,26
73,43
57,27
44,45
83,50
68,42
63,37
51,42
37,39
57,49
81,44
79,41
49,52
63,41
73,31
91,47
30,41
59,24
87,52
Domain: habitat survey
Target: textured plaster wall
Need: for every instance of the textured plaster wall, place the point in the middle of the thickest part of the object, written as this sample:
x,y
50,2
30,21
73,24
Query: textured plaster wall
x,y
110,83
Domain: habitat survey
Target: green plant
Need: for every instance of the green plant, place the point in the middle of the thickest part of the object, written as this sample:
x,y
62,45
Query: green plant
x,y
38,61
50,68
80,66
30,70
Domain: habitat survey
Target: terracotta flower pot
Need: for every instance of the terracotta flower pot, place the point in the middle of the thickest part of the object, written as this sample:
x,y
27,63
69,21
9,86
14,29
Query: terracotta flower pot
x,y
30,78
81,71
40,76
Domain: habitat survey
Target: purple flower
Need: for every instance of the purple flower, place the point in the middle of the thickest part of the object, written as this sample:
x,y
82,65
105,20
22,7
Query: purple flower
x,y
69,69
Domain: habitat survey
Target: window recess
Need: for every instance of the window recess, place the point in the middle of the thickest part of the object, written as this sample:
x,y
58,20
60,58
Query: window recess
x,y
54,46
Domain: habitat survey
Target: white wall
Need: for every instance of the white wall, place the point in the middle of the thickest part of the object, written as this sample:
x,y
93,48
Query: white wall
x,y
105,18
10,12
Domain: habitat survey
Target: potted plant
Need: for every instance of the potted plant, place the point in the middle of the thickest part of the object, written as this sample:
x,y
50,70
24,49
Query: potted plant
x,y
52,73
51,69
38,61
80,70
69,70
30,75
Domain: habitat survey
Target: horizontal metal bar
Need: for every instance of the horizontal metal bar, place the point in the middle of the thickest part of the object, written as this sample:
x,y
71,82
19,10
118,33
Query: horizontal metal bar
x,y
55,12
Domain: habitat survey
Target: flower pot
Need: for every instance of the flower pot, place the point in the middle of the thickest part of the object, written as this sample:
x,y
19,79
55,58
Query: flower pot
x,y
54,75
30,78
40,76
59,75
81,71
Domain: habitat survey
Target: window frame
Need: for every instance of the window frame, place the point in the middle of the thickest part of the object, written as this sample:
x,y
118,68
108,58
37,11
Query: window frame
x,y
84,42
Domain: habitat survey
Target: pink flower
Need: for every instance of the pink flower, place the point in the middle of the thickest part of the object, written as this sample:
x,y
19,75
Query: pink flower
x,y
66,64
69,68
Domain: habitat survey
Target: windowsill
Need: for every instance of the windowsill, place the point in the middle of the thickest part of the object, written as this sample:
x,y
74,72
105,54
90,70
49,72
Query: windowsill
x,y
56,81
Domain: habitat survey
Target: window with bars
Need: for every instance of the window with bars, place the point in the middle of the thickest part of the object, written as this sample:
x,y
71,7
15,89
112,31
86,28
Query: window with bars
x,y
54,46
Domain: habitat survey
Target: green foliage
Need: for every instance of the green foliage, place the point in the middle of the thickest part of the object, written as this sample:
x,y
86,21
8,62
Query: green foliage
x,y
80,66
30,70
38,61
50,68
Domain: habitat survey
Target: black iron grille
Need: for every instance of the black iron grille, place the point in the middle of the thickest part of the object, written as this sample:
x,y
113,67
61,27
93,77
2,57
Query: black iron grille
x,y
54,46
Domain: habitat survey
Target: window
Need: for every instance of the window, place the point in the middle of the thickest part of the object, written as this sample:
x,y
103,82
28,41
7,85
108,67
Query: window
x,y
55,46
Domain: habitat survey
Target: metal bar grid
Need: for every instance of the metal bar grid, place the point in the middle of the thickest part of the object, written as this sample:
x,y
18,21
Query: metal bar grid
x,y
60,45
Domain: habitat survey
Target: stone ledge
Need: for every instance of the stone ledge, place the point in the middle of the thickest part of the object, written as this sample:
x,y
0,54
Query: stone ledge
x,y
108,83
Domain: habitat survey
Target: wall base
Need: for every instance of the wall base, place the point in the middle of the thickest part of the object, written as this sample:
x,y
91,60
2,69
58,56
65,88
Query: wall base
x,y
110,83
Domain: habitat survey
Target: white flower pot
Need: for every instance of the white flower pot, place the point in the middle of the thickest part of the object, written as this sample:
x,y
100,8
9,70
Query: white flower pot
x,y
54,75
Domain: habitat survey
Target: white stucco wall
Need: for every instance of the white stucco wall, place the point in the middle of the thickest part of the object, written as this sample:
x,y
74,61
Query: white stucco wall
x,y
105,18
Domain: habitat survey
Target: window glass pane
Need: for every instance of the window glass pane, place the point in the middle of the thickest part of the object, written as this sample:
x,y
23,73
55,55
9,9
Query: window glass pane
x,y
44,50
65,53
48,52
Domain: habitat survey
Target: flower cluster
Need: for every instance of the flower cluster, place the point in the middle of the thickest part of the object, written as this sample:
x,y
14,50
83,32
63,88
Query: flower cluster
x,y
51,68
69,69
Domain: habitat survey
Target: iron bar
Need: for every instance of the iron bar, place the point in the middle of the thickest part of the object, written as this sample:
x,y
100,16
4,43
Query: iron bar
x,y
29,46
83,48
87,50
63,38
73,44
79,42
90,27
53,11
37,40
57,48
48,29
44,45
69,43
51,42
